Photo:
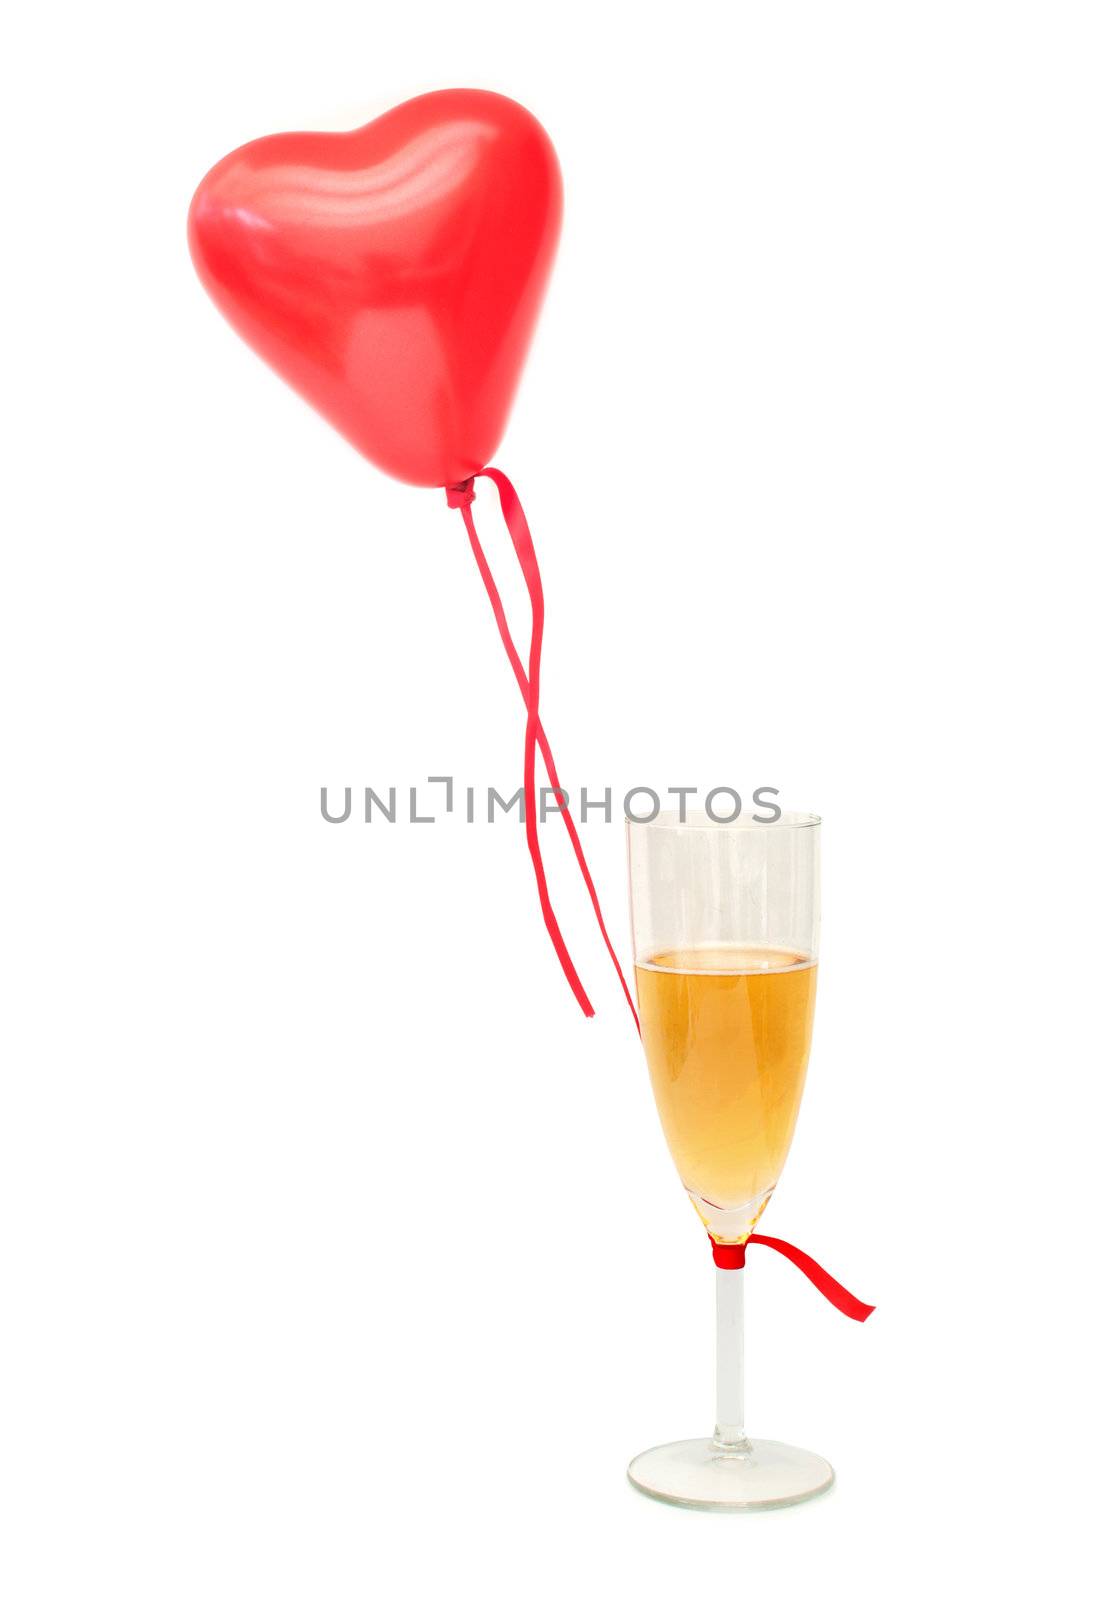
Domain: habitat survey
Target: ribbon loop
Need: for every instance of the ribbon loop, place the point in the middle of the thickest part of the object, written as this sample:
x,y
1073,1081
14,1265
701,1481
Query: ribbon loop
x,y
730,1257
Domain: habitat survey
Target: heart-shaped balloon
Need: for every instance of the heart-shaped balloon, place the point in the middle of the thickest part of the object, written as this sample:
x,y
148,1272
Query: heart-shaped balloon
x,y
392,275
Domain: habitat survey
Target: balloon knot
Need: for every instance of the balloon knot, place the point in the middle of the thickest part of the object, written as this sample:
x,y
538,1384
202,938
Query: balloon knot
x,y
460,494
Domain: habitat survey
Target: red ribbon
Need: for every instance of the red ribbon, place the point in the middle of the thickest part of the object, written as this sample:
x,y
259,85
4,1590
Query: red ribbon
x,y
460,497
731,1258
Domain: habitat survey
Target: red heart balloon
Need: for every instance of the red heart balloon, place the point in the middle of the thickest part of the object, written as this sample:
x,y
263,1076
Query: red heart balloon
x,y
392,275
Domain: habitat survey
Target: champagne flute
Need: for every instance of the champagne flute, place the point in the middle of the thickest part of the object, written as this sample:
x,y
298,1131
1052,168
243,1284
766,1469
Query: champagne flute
x,y
725,918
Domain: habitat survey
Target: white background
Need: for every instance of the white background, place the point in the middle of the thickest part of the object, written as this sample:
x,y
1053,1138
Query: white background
x,y
339,1255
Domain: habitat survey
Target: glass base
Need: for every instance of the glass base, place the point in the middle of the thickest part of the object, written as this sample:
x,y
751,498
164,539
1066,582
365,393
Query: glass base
x,y
757,1475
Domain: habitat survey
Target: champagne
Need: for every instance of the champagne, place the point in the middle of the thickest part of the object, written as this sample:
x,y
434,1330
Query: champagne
x,y
726,1030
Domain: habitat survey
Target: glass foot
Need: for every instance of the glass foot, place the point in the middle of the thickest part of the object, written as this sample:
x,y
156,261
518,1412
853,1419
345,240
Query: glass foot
x,y
754,1476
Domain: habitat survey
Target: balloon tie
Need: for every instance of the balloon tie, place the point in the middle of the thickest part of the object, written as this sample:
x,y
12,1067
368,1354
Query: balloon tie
x,y
460,497
460,494
730,1257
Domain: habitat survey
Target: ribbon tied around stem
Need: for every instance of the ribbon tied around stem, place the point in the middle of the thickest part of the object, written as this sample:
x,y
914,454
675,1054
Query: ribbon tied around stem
x,y
730,1258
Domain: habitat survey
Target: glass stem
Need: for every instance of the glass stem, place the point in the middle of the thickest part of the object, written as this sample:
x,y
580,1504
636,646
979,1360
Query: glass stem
x,y
729,1429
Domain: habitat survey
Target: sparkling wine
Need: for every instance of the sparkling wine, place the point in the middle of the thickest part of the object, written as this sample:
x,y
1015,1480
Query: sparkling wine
x,y
726,1030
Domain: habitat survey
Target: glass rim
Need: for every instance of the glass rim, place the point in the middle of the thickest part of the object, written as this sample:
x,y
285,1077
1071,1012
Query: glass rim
x,y
701,819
